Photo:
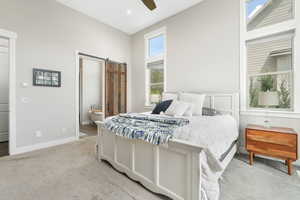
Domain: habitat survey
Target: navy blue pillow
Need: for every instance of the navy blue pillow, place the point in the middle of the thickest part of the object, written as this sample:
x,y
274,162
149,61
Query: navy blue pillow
x,y
162,107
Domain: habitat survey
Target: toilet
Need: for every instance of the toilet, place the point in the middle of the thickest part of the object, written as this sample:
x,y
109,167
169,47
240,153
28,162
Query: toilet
x,y
96,115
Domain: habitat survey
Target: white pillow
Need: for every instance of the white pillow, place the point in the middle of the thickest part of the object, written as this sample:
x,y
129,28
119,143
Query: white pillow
x,y
169,96
196,99
189,111
177,108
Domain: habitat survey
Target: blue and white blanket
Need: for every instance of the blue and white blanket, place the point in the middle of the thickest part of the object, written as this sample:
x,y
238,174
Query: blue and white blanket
x,y
154,129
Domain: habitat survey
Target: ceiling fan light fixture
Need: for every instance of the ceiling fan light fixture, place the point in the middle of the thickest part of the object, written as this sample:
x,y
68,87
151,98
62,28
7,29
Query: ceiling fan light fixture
x,y
149,4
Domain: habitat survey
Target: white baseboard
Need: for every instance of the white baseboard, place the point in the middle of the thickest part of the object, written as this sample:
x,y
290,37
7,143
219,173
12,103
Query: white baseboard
x,y
85,123
20,150
297,163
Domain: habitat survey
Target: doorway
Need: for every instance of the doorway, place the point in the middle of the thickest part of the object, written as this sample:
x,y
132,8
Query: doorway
x,y
105,84
8,86
4,96
91,94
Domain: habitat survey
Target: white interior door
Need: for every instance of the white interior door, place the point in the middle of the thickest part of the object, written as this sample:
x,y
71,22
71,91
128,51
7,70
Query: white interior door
x,y
4,90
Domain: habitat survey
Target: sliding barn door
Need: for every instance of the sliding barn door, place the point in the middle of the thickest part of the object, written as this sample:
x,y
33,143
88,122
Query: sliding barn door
x,y
116,90
123,88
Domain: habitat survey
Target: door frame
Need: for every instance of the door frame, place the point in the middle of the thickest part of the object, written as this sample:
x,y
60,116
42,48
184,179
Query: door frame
x,y
12,37
78,54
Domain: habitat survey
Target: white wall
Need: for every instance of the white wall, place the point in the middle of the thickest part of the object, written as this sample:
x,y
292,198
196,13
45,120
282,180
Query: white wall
x,y
202,50
202,55
48,35
92,86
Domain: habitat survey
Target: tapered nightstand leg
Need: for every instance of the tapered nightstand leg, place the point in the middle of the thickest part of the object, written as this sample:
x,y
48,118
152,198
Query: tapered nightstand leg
x,y
251,158
289,164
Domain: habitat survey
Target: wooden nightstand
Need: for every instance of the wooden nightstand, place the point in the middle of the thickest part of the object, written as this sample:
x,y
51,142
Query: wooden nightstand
x,y
275,142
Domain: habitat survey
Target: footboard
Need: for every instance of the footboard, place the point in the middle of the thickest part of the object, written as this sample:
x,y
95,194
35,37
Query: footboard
x,y
172,170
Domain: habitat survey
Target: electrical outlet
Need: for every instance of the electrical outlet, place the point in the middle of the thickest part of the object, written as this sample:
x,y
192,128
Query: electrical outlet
x,y
38,134
25,100
24,85
298,172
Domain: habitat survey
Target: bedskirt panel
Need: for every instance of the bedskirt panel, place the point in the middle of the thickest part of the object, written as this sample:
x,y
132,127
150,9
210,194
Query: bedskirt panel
x,y
176,167
123,152
144,159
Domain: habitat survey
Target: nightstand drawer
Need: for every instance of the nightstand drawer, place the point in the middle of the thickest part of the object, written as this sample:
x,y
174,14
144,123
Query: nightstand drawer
x,y
271,149
289,140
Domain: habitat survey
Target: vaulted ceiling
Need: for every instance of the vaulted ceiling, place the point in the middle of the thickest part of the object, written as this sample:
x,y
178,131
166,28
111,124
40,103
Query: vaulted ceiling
x,y
129,16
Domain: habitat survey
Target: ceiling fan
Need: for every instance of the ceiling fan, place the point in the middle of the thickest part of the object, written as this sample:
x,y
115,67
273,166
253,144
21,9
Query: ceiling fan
x,y
149,4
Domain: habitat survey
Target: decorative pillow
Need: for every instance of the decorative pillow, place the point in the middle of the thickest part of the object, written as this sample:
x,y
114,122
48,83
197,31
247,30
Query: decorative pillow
x,y
189,111
196,99
177,108
210,112
161,107
169,96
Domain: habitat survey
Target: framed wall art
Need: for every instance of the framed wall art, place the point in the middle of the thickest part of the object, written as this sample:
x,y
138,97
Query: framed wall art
x,y
46,78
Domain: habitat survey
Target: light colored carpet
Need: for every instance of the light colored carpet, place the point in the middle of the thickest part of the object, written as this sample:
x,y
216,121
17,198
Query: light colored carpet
x,y
71,172
89,130
265,180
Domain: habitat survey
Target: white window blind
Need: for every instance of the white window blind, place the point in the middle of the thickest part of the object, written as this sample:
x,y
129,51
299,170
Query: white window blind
x,y
270,69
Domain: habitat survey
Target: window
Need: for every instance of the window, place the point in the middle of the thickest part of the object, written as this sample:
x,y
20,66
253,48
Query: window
x,y
267,55
270,72
156,46
261,13
155,66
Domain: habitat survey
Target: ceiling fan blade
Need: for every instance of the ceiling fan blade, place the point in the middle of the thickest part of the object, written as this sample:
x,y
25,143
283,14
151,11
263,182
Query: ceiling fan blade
x,y
150,4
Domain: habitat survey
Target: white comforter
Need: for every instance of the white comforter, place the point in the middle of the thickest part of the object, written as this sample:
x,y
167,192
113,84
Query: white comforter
x,y
215,134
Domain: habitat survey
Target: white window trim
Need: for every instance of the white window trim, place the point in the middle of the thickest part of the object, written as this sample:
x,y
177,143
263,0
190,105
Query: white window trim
x,y
147,37
290,25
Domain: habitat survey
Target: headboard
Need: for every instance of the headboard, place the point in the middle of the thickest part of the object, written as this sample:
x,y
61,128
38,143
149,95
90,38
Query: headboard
x,y
225,102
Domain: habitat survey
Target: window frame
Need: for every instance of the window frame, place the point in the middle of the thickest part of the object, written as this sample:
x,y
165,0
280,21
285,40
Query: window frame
x,y
148,60
291,25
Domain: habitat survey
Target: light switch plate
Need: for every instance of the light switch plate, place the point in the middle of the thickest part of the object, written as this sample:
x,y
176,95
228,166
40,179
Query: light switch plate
x,y
38,133
25,100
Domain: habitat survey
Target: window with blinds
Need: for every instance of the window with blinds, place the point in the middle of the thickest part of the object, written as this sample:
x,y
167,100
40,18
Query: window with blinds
x,y
267,47
155,66
270,72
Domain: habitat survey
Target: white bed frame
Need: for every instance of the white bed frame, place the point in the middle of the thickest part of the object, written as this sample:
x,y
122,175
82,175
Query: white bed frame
x,y
172,170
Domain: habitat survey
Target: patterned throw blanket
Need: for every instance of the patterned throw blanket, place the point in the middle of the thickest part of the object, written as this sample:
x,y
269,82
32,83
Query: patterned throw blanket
x,y
154,129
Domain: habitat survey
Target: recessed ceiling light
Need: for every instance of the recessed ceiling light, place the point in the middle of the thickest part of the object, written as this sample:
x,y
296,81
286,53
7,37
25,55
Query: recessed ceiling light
x,y
128,12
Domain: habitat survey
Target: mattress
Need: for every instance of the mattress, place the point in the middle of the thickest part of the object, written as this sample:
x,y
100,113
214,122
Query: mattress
x,y
224,155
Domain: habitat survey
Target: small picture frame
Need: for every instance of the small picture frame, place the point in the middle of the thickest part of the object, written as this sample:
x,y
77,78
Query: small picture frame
x,y
46,78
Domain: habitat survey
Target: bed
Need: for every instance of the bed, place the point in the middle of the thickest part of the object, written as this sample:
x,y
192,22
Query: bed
x,y
181,169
